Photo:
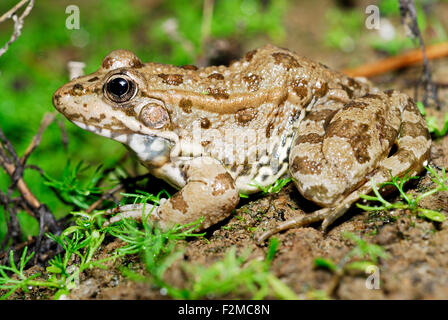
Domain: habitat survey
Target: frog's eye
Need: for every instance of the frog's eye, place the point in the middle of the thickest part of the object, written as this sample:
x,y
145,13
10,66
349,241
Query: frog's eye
x,y
120,88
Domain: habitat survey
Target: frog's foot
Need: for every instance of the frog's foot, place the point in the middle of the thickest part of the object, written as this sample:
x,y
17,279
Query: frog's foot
x,y
327,215
137,212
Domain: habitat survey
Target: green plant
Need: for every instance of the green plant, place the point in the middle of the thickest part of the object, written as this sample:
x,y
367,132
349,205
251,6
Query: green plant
x,y
275,187
156,247
366,253
79,242
360,258
20,281
411,202
432,122
234,274
344,28
74,191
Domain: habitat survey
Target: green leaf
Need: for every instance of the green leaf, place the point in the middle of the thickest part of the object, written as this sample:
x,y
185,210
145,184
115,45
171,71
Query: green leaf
x,y
326,264
359,265
421,108
432,215
53,269
280,289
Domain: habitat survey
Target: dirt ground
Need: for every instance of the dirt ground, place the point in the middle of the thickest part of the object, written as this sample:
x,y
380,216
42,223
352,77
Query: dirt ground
x,y
417,267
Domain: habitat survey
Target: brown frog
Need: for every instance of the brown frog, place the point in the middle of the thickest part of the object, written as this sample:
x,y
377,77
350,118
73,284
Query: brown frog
x,y
219,131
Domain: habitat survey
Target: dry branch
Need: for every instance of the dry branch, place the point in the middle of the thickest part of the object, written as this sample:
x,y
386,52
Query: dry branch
x,y
15,167
406,59
18,21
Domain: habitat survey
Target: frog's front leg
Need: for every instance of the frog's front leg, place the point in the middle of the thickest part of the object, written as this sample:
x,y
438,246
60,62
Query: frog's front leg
x,y
210,192
337,154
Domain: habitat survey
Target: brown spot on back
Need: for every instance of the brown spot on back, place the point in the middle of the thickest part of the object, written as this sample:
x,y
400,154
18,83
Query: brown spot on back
x,y
347,90
185,105
312,138
245,115
319,115
300,87
356,104
172,79
216,76
322,90
372,96
93,79
353,83
250,54
286,60
205,123
189,67
252,81
218,93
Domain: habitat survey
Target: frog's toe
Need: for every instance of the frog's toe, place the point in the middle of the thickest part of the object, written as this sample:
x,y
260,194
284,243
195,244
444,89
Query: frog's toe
x,y
302,221
132,211
326,215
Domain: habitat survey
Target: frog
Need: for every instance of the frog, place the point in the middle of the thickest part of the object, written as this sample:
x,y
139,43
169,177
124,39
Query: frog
x,y
217,132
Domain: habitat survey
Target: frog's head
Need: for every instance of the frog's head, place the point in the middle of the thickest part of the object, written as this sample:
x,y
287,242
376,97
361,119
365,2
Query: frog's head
x,y
113,103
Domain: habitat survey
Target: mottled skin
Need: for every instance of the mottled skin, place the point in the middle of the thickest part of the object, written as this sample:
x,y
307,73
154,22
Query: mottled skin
x,y
270,114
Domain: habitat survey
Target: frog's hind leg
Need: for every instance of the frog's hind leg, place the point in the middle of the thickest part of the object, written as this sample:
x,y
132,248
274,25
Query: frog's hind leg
x,y
413,145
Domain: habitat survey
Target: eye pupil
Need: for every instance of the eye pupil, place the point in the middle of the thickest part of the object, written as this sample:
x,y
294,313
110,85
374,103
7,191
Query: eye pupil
x,y
118,86
120,89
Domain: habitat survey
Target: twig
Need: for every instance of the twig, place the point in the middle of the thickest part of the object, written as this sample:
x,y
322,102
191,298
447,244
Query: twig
x,y
46,121
64,135
118,187
408,14
18,21
206,25
14,167
415,56
15,171
104,196
19,246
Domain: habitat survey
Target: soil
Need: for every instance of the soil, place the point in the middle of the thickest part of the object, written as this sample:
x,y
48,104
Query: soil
x,y
417,267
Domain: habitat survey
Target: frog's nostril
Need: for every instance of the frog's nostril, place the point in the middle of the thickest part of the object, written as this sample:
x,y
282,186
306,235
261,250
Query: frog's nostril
x,y
56,99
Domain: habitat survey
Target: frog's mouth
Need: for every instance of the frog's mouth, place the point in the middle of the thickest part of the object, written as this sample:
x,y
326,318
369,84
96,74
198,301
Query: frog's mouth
x,y
153,149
